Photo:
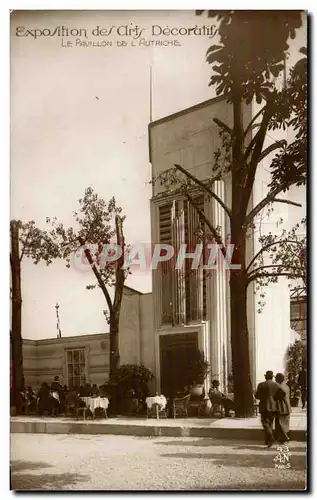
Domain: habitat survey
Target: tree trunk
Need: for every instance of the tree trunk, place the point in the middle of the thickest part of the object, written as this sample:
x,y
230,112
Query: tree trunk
x,y
114,345
240,347
238,283
243,394
16,335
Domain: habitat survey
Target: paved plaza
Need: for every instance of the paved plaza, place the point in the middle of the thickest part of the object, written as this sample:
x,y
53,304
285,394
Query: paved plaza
x,y
86,462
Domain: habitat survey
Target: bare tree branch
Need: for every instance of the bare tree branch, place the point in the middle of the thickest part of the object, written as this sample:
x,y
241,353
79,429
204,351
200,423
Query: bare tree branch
x,y
205,188
98,276
258,145
268,199
223,125
271,148
288,202
210,226
250,126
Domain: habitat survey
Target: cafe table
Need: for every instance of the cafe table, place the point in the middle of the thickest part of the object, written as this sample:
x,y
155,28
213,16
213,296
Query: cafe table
x,y
96,402
159,401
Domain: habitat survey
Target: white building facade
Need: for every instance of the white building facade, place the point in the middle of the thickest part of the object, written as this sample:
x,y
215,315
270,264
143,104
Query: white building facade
x,y
192,309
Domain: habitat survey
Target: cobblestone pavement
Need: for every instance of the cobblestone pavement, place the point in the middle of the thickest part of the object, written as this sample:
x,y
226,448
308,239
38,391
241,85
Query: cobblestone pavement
x,y
86,462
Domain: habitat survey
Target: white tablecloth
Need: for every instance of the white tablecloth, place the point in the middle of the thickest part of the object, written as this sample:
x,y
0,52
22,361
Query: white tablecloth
x,y
94,403
160,400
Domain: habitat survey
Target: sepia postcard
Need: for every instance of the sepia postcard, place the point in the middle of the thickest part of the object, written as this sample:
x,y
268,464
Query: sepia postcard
x,y
158,164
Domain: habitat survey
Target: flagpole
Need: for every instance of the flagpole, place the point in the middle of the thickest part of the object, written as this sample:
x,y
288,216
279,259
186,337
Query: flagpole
x,y
59,333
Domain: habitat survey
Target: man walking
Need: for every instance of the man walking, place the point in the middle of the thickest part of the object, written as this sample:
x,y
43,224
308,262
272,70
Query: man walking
x,y
283,411
267,392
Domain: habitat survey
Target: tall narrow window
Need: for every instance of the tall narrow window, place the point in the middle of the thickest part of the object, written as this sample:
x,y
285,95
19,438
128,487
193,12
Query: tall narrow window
x,y
165,215
183,291
76,369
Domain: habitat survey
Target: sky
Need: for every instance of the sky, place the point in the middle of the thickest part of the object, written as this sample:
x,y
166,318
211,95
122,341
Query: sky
x,y
79,118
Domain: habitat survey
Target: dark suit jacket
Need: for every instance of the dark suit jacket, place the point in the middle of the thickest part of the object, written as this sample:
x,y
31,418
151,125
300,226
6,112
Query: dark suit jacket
x,y
267,392
283,402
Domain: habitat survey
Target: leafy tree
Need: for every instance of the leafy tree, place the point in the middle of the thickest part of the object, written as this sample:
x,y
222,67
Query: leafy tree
x,y
26,241
281,254
294,358
134,377
250,55
98,223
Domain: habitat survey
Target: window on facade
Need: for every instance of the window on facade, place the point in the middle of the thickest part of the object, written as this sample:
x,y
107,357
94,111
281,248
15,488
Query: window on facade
x,y
76,370
183,291
165,221
299,317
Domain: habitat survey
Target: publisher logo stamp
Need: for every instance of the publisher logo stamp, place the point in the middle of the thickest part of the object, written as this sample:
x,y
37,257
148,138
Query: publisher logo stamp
x,y
282,459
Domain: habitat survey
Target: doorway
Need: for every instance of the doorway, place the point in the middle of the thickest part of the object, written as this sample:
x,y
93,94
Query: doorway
x,y
176,352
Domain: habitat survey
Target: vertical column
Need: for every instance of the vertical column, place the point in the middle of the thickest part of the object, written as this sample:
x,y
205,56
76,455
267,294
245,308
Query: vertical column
x,y
219,299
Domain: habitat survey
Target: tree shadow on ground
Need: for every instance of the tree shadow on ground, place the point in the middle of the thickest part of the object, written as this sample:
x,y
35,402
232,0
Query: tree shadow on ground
x,y
263,461
212,442
19,465
235,445
41,481
259,447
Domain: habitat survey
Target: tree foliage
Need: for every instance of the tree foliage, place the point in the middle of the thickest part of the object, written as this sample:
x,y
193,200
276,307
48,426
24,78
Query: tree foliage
x,y
250,64
94,232
98,225
35,243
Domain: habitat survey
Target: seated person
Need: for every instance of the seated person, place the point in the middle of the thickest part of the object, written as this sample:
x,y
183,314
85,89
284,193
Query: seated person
x,y
24,401
30,399
103,391
196,397
56,390
55,385
87,392
63,395
185,391
95,391
218,398
43,399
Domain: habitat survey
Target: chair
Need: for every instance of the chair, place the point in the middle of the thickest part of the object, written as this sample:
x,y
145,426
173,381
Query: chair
x,y
72,405
217,405
100,413
180,406
156,411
